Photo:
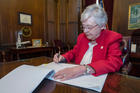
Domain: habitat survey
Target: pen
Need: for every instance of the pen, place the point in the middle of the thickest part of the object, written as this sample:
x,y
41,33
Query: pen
x,y
62,60
59,53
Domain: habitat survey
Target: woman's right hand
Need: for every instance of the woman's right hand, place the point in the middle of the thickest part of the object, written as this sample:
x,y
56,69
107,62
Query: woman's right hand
x,y
57,58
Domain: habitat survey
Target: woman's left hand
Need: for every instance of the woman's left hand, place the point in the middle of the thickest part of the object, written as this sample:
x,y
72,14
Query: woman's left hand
x,y
69,73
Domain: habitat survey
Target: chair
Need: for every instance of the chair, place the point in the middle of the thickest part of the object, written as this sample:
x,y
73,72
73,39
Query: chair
x,y
60,46
2,56
125,48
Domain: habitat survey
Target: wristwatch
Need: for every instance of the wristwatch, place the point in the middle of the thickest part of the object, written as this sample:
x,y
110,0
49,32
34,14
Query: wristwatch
x,y
88,69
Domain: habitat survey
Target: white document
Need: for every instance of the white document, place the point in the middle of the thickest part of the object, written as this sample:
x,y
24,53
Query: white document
x,y
26,78
23,79
85,81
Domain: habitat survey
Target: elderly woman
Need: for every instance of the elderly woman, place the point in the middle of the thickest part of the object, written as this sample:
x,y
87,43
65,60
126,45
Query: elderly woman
x,y
97,50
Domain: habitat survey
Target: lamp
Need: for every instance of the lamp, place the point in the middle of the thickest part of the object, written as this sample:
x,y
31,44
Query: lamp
x,y
19,43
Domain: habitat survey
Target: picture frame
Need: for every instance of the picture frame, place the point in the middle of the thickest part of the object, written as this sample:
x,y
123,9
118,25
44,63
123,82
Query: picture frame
x,y
134,16
36,42
24,18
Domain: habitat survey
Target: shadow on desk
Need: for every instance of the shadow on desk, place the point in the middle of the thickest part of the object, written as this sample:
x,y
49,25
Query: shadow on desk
x,y
46,86
115,83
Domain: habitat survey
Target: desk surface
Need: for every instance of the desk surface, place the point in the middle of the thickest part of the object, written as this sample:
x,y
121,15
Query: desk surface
x,y
115,83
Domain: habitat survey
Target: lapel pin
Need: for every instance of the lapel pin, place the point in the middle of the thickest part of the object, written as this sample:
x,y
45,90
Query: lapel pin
x,y
102,47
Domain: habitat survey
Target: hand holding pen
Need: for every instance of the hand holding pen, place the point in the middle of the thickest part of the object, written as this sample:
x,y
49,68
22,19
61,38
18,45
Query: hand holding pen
x,y
58,57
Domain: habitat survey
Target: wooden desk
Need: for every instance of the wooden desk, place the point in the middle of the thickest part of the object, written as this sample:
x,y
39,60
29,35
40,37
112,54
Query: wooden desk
x,y
115,83
30,52
135,59
135,55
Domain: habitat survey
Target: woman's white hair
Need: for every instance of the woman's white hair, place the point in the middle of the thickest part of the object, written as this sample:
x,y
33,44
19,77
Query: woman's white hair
x,y
96,13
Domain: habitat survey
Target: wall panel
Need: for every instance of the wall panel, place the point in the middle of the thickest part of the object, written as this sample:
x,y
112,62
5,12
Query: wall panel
x,y
120,16
51,12
63,15
49,21
9,19
74,13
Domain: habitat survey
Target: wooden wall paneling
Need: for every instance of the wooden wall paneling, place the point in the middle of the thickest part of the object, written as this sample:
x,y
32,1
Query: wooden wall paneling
x,y
63,18
115,16
108,6
38,19
46,19
120,16
58,19
62,31
73,20
89,2
51,20
73,30
46,39
80,10
0,30
44,22
51,32
9,19
67,21
4,22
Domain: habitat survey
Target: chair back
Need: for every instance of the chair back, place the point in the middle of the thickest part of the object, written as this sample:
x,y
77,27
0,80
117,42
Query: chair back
x,y
125,48
60,46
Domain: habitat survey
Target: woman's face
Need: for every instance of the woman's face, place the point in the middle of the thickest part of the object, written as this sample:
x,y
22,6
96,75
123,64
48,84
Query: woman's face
x,y
91,29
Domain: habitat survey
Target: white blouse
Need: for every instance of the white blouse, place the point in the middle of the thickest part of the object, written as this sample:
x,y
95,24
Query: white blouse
x,y
88,55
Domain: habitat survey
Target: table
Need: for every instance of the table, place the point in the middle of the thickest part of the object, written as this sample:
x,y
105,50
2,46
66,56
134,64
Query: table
x,y
135,55
30,52
115,82
135,60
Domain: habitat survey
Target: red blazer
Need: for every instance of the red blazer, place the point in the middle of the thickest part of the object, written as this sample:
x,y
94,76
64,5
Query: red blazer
x,y
106,54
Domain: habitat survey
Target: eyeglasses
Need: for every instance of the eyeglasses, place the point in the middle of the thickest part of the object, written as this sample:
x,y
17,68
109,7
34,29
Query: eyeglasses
x,y
89,27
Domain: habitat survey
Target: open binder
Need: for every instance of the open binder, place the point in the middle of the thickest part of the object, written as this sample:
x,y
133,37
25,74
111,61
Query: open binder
x,y
26,78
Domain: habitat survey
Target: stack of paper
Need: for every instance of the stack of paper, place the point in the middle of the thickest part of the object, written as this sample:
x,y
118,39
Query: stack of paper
x,y
23,79
26,78
85,81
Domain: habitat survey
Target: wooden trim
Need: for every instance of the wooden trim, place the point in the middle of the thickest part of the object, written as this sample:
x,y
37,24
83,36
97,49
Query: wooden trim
x,y
67,19
58,19
3,56
135,55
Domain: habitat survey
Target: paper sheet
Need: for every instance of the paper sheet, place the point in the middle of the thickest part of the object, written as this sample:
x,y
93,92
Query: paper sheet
x,y
85,81
23,79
